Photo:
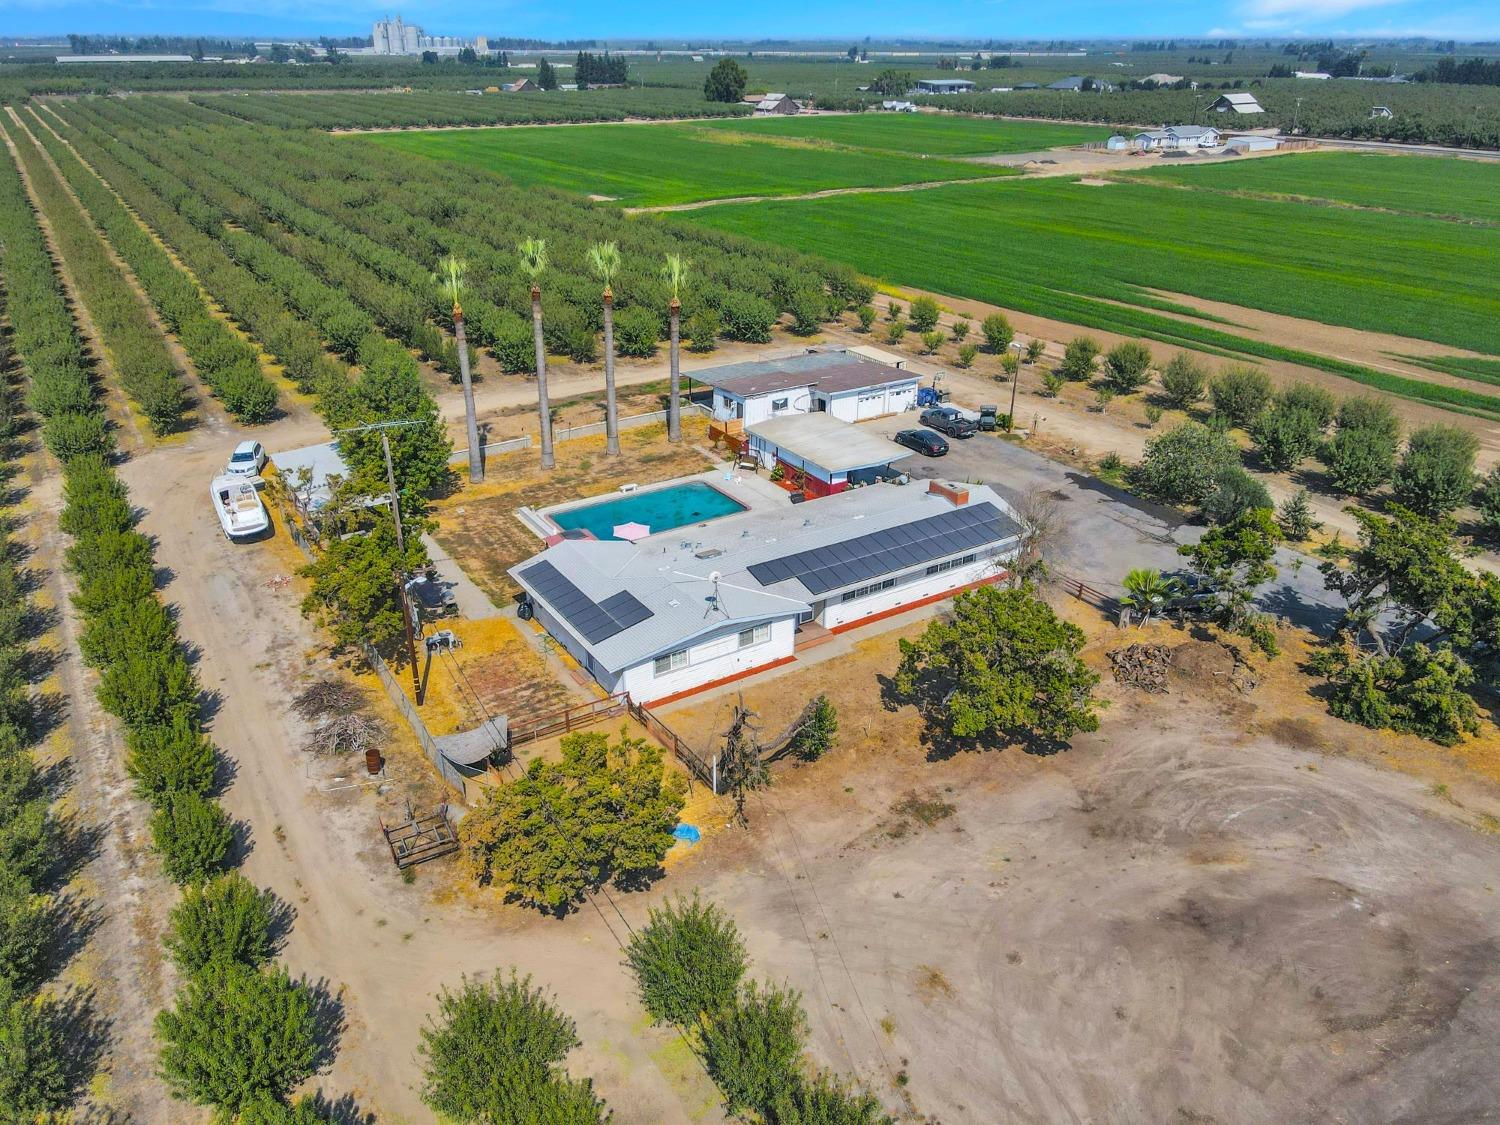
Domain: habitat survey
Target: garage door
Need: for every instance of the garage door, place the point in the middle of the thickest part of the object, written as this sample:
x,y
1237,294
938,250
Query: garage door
x,y
871,406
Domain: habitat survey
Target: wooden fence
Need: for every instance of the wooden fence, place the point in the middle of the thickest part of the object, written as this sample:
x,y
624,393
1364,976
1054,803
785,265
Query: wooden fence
x,y
568,719
1086,593
402,702
706,772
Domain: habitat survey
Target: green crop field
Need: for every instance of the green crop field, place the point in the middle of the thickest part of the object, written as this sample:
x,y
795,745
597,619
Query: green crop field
x,y
922,132
1422,185
1053,247
657,165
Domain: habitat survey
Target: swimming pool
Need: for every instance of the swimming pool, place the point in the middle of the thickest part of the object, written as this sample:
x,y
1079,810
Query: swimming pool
x,y
660,509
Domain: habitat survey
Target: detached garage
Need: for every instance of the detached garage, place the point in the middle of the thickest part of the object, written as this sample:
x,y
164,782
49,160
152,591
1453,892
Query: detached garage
x,y
852,388
821,456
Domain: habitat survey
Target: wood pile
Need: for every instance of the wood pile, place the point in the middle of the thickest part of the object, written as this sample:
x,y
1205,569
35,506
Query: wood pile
x,y
1142,666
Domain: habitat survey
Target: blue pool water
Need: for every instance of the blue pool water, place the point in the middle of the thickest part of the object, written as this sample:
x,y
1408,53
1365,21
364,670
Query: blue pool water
x,y
660,509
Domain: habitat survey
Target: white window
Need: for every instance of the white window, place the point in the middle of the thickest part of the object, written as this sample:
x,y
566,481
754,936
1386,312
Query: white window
x,y
671,662
866,591
779,404
950,564
756,636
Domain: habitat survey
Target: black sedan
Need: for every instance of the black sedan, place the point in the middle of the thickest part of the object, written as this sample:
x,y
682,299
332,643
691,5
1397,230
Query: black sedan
x,y
947,420
924,442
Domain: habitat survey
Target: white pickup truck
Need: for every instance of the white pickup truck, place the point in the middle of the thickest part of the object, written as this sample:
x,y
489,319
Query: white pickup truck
x,y
239,507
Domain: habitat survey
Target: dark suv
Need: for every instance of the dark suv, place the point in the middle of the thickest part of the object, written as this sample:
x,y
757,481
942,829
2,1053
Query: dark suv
x,y
947,420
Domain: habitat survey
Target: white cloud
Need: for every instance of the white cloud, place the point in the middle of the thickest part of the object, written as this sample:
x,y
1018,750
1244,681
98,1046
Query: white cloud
x,y
1283,15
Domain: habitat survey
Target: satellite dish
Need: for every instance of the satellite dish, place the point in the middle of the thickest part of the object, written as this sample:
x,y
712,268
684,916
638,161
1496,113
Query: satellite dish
x,y
713,576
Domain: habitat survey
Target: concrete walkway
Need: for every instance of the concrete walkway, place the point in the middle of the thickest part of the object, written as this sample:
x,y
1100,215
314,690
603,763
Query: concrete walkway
x,y
473,603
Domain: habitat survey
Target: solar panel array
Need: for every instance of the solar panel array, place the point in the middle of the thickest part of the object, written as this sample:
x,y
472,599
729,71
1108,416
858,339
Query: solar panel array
x,y
885,552
594,621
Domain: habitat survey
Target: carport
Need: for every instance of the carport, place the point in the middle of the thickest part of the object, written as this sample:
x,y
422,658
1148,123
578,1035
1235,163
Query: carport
x,y
822,455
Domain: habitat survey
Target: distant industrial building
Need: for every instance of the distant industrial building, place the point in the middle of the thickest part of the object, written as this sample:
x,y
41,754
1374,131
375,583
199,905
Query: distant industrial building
x,y
394,36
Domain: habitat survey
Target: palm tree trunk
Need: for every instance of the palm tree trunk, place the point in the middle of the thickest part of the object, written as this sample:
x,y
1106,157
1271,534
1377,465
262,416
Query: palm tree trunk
x,y
543,408
611,416
674,411
471,423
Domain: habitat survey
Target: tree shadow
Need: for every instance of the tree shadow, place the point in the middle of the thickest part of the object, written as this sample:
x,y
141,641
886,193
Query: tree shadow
x,y
241,843
84,1032
343,1110
930,698
329,1021
283,917
46,712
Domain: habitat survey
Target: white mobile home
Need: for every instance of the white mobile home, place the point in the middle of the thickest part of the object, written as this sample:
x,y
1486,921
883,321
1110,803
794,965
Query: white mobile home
x,y
851,388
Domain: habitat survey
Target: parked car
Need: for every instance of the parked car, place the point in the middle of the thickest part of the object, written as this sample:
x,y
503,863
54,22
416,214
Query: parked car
x,y
247,460
925,442
947,420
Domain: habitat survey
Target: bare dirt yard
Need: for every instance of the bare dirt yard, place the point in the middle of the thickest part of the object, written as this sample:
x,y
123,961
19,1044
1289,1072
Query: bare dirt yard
x,y
1216,909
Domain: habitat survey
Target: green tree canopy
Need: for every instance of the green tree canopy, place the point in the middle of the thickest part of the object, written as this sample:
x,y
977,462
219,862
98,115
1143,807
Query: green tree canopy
x,y
1182,465
688,961
604,812
1001,668
1239,393
226,920
1183,380
353,591
753,1050
1234,558
1436,473
1078,358
494,1053
1127,366
726,82
237,1034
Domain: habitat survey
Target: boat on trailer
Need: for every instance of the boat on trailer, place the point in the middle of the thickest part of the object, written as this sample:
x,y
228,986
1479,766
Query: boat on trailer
x,y
239,507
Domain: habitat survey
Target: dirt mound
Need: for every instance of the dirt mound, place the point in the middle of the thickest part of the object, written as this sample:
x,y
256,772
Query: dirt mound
x,y
1203,662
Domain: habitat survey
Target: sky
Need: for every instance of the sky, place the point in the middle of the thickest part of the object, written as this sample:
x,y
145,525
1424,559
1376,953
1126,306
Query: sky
x,y
837,19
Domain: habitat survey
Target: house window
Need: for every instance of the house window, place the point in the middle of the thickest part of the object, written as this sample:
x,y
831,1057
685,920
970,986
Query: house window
x,y
780,404
756,636
671,662
866,591
951,564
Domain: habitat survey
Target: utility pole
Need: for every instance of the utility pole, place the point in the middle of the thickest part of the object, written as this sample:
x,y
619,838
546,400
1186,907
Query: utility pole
x,y
401,592
390,480
1014,383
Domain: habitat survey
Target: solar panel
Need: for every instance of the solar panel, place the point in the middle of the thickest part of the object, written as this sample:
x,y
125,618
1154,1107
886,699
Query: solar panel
x,y
595,621
884,552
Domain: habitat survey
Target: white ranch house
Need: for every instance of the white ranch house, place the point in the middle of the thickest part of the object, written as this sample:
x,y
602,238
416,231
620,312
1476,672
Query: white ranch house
x,y
852,388
694,607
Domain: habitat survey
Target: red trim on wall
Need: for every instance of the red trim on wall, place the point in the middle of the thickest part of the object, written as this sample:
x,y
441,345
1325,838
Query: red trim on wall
x,y
673,698
894,610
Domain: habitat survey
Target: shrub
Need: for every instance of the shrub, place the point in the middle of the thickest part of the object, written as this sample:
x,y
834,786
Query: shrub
x,y
1153,414
1368,413
1421,690
28,928
1035,349
582,343
1239,393
166,759
1285,434
932,341
1181,465
1127,367
824,1100
966,354
33,1077
1010,363
753,1049
892,311
1295,517
514,346
637,331
236,1035
866,314
924,314
1436,473
1053,383
1314,401
703,330
1234,493
1183,381
227,920
960,331
688,961
1360,459
146,688
895,330
809,308
997,332
494,1053
192,834
1489,501
747,318
71,435
1078,358
818,734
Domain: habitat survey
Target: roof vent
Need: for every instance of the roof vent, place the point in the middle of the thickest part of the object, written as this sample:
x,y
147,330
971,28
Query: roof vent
x,y
708,553
674,603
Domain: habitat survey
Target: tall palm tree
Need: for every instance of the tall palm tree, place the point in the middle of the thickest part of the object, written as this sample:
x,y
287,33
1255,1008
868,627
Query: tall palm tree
x,y
450,279
1147,591
604,260
533,253
675,272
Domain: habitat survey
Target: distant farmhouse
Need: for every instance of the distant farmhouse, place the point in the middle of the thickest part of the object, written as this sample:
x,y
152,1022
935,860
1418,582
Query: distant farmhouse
x,y
1381,111
772,104
1078,82
1237,103
1175,137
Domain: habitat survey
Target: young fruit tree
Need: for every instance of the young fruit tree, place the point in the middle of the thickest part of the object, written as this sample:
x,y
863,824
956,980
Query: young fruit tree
x,y
688,961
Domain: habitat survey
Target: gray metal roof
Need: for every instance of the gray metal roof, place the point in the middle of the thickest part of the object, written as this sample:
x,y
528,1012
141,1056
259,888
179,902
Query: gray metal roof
x,y
671,573
825,441
831,372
